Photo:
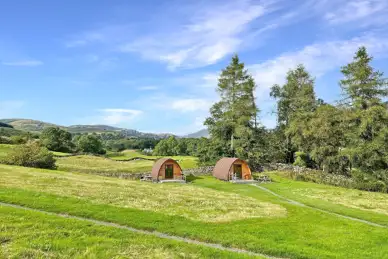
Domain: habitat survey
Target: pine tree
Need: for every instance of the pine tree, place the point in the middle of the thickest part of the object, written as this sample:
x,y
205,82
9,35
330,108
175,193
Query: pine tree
x,y
364,90
295,102
234,117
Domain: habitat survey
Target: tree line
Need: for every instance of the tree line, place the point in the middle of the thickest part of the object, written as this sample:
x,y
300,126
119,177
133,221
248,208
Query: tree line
x,y
349,137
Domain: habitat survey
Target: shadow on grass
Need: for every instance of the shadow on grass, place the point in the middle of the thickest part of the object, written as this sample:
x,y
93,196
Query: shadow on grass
x,y
191,178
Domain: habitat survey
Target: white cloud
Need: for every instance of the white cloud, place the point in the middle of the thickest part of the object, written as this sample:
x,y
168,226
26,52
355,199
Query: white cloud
x,y
211,33
318,58
191,105
10,109
23,63
118,116
365,12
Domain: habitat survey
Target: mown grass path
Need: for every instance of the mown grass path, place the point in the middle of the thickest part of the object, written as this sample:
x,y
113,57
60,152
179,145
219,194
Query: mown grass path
x,y
317,209
140,231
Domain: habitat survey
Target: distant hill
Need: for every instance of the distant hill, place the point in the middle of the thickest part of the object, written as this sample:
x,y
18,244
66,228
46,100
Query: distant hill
x,y
198,134
29,125
5,125
92,128
38,126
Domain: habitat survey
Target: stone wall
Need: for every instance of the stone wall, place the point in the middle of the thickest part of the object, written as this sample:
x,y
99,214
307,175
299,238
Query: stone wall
x,y
286,167
310,175
204,170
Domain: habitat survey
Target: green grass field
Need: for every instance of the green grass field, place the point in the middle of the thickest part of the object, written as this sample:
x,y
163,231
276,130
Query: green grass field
x,y
98,164
26,234
4,149
206,210
184,161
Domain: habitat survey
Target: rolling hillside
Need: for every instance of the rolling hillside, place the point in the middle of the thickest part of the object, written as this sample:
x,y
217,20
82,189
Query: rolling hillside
x,y
38,126
198,134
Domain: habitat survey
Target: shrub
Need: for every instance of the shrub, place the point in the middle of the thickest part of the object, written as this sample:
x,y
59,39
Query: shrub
x,y
5,140
31,154
90,144
301,159
57,139
17,139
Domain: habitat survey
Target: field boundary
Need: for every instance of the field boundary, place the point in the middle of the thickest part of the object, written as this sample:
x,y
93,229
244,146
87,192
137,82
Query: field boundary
x,y
297,203
145,232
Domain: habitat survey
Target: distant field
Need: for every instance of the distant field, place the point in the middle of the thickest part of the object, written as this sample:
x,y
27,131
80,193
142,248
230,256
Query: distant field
x,y
257,220
184,161
95,164
98,164
5,149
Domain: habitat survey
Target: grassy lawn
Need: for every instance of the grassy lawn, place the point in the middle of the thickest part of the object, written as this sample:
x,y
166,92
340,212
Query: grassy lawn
x,y
96,164
93,164
372,206
26,234
177,200
300,233
4,149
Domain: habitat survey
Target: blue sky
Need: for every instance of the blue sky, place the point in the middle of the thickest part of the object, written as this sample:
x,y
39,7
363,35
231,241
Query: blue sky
x,y
153,65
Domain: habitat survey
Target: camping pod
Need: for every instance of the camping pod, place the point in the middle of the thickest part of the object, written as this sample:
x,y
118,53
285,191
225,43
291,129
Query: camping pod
x,y
232,169
167,170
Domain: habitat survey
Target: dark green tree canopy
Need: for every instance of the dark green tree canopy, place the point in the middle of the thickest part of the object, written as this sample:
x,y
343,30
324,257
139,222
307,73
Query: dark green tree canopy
x,y
57,139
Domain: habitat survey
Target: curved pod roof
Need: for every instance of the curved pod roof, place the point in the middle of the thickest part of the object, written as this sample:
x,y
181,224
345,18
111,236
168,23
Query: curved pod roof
x,y
222,167
159,163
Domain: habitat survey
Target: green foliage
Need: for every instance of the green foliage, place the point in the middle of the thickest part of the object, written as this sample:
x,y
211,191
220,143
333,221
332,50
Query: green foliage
x,y
57,139
31,154
5,125
90,144
302,159
18,139
233,122
118,142
295,103
5,140
166,147
367,114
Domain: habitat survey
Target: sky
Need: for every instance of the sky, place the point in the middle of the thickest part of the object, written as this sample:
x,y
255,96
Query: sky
x,y
153,65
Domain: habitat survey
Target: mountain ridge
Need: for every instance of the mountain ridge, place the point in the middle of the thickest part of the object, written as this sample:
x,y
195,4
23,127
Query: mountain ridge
x,y
38,126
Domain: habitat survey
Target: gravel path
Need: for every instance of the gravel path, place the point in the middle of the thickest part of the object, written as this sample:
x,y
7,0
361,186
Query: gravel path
x,y
317,209
145,232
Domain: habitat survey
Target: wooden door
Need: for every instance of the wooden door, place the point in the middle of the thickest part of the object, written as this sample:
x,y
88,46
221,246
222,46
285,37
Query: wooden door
x,y
169,172
237,169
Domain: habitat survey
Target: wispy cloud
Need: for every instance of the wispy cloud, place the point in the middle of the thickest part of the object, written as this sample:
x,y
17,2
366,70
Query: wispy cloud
x,y
190,105
365,12
23,63
117,116
319,58
211,33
